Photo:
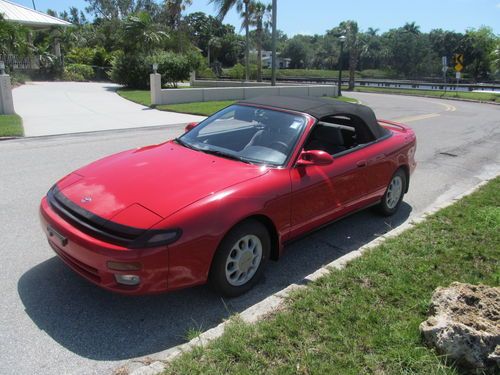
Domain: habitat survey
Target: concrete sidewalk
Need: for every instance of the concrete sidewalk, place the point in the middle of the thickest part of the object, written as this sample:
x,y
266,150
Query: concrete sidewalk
x,y
49,108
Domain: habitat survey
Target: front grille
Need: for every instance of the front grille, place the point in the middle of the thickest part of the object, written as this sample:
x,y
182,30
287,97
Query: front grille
x,y
84,269
90,223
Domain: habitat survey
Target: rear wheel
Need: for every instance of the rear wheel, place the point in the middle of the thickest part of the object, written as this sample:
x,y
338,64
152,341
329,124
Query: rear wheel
x,y
240,259
394,194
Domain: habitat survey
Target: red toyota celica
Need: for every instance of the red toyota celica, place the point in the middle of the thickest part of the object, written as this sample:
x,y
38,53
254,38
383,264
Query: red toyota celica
x,y
220,200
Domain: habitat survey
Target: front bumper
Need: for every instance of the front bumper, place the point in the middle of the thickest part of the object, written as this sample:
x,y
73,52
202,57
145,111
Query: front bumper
x,y
89,257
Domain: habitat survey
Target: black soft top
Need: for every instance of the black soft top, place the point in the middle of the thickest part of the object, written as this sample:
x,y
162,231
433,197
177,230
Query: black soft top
x,y
321,108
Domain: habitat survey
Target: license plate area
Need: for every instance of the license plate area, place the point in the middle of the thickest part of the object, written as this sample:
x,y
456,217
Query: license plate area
x,y
55,234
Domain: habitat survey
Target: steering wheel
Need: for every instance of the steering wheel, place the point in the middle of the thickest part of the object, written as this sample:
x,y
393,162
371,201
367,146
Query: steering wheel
x,y
279,146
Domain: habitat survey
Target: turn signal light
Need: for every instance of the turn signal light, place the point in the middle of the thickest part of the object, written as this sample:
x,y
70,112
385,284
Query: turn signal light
x,y
120,266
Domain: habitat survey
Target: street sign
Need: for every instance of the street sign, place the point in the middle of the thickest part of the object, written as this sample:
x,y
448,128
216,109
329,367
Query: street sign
x,y
459,62
444,60
458,75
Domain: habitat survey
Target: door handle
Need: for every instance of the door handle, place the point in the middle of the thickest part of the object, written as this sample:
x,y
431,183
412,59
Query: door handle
x,y
361,163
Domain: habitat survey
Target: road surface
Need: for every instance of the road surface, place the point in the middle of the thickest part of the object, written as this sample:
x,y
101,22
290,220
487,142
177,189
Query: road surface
x,y
54,322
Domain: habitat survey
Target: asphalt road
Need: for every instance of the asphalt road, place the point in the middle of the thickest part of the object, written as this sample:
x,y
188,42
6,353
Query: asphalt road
x,y
54,322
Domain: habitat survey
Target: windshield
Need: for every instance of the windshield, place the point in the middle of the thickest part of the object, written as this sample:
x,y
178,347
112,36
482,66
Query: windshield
x,y
249,134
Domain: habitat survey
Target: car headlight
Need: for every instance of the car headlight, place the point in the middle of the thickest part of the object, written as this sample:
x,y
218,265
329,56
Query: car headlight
x,y
156,238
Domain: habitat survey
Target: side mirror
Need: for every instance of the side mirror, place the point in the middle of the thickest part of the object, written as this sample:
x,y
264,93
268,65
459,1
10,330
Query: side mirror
x,y
314,157
190,126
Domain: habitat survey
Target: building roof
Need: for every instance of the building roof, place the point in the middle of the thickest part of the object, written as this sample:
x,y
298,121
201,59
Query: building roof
x,y
321,108
32,18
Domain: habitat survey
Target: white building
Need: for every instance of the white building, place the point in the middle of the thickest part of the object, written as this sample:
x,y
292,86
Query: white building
x,y
267,57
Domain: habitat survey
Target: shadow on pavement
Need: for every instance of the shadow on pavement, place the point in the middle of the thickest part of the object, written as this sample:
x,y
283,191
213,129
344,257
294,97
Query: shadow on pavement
x,y
99,325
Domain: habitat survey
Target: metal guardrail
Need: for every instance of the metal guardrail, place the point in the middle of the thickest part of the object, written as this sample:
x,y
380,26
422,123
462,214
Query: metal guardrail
x,y
394,84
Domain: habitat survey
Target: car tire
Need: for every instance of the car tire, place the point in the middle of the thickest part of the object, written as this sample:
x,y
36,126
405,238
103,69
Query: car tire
x,y
393,195
240,259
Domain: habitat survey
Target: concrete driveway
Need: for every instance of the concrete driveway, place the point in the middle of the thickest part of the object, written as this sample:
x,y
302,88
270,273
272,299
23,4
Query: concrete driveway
x,y
49,108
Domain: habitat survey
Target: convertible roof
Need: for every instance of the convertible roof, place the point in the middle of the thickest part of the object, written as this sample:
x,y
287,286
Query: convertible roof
x,y
321,108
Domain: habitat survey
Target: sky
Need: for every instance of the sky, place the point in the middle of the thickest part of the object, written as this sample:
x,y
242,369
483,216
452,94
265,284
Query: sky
x,y
317,16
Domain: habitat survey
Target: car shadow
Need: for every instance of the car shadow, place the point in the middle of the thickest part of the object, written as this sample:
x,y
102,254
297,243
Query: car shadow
x,y
100,325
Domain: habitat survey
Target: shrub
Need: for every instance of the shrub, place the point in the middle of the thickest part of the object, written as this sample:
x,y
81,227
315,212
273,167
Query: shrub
x,y
83,55
205,72
237,72
175,67
130,70
80,71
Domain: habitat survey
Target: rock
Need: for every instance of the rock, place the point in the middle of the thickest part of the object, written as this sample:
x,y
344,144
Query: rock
x,y
464,325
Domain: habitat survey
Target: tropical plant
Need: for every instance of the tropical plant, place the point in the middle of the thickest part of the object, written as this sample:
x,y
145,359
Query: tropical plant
x,y
258,17
223,7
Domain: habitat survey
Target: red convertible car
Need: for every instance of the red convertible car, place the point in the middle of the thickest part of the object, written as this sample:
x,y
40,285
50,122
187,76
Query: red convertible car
x,y
220,200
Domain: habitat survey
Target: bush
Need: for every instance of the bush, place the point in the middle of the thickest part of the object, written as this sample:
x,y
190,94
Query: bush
x,y
237,72
83,55
78,72
205,72
130,70
175,67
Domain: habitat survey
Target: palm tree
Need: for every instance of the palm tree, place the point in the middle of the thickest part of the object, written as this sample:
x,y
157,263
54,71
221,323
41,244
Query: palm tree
x,y
412,28
257,12
223,7
141,32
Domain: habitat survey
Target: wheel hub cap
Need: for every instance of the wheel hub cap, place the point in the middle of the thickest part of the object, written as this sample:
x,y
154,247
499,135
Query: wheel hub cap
x,y
243,260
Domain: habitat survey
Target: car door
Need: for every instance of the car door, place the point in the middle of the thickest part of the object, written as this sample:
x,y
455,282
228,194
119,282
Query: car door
x,y
321,193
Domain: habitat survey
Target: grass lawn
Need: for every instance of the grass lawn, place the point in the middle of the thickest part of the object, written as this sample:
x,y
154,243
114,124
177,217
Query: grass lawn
x,y
196,108
438,94
364,318
11,125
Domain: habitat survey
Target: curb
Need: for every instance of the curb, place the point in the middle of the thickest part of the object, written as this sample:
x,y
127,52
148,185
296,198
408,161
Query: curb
x,y
429,96
275,301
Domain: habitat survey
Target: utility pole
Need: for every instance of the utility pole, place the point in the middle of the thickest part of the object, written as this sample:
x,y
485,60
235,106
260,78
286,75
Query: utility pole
x,y
247,48
34,6
342,39
274,36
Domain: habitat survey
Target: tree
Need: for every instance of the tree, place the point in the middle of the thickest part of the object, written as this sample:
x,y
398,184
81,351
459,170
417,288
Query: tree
x,y
257,14
141,34
223,7
477,47
119,9
297,50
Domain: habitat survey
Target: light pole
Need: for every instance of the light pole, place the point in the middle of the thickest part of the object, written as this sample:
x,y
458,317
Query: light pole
x,y
342,39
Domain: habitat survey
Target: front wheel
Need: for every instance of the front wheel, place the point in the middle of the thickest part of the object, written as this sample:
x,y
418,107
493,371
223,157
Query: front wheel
x,y
240,259
394,194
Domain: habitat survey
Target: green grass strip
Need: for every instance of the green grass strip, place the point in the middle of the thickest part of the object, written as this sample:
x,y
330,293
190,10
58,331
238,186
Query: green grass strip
x,y
11,126
364,319
197,108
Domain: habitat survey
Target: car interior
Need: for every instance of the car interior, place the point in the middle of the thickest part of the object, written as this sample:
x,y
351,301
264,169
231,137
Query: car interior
x,y
337,134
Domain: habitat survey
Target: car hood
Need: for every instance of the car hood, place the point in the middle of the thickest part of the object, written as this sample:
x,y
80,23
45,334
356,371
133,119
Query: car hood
x,y
162,179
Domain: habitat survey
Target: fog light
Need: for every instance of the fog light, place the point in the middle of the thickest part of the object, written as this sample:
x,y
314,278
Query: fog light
x,y
127,279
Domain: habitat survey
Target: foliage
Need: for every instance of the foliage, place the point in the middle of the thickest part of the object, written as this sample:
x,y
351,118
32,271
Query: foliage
x,y
175,67
237,72
130,70
78,72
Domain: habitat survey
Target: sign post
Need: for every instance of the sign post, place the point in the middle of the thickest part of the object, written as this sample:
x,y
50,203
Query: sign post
x,y
444,61
458,58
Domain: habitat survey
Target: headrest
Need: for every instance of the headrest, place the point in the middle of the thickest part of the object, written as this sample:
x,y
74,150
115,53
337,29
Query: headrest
x,y
329,134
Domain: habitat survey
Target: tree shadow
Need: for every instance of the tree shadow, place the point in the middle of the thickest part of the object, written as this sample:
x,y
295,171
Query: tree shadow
x,y
100,325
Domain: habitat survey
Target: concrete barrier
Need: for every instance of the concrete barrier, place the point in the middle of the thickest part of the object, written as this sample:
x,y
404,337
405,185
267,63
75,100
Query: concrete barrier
x,y
175,96
6,101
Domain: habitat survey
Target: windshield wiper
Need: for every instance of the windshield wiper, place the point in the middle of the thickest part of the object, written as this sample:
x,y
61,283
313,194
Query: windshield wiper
x,y
224,155
185,144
